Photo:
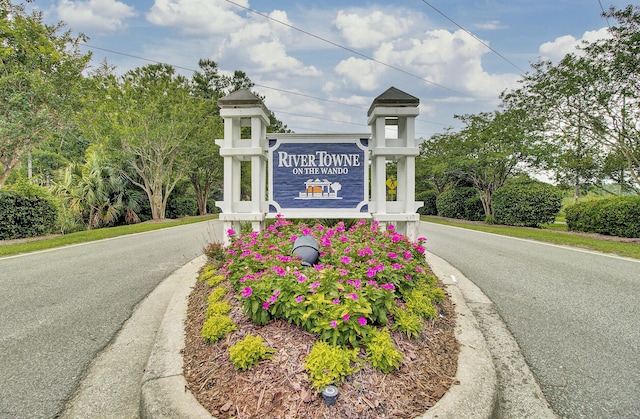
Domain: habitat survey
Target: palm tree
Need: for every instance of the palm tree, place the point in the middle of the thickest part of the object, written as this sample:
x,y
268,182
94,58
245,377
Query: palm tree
x,y
97,192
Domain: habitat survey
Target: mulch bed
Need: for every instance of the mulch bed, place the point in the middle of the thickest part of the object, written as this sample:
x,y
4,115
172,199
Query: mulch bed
x,y
279,388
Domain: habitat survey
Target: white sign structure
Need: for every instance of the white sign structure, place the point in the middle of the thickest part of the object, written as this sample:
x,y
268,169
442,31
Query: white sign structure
x,y
320,175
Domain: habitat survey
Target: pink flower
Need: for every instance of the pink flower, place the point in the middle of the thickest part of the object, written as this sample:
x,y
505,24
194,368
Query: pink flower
x,y
293,238
336,301
362,321
299,299
246,292
396,266
231,232
392,255
334,323
407,254
345,259
371,272
346,317
391,227
265,305
388,286
379,267
274,297
353,296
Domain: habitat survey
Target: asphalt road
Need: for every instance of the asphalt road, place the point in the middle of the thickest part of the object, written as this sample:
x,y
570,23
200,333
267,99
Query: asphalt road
x,y
59,308
574,314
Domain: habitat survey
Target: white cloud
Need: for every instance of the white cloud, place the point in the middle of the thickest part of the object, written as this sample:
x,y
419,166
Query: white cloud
x,y
563,45
452,60
366,30
97,15
491,25
365,74
197,17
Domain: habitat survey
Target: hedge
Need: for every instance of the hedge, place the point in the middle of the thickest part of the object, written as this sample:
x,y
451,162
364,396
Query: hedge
x,y
25,216
528,204
463,202
618,216
429,198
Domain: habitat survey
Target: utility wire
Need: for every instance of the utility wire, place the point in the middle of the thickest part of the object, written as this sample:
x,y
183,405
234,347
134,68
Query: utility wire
x,y
346,48
472,35
255,84
604,14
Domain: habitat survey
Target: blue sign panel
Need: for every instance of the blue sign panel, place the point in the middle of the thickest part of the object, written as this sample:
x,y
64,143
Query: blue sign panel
x,y
318,175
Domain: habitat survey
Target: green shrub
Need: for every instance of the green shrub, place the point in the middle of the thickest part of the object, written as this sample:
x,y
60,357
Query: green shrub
x,y
216,327
327,364
381,351
528,203
210,276
217,294
181,206
419,303
25,214
218,308
248,352
618,216
463,203
429,198
407,322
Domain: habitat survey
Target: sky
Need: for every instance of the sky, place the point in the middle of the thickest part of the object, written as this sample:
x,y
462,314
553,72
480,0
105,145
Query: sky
x,y
320,64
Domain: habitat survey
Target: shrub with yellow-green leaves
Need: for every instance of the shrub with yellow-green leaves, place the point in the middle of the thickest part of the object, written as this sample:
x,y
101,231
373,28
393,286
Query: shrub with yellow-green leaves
x,y
211,276
217,294
249,351
218,308
328,364
381,352
407,322
216,327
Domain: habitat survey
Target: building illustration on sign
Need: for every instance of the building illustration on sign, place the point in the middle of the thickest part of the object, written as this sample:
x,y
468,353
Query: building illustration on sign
x,y
319,189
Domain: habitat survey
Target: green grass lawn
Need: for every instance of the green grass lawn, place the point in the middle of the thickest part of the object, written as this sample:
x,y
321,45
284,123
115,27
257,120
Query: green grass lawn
x,y
550,233
97,234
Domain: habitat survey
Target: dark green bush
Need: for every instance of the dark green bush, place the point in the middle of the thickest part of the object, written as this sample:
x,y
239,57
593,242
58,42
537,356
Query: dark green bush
x,y
528,203
461,202
619,216
181,206
429,198
26,215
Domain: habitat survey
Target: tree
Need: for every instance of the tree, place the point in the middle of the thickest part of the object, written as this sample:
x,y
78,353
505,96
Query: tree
x,y
589,106
97,192
560,98
617,98
486,152
147,119
40,76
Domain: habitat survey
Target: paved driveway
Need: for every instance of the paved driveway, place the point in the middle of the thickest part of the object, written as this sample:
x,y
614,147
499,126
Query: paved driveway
x,y
60,307
575,315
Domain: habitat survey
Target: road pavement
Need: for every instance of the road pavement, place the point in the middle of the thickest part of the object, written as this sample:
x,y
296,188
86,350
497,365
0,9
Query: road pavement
x,y
575,315
61,307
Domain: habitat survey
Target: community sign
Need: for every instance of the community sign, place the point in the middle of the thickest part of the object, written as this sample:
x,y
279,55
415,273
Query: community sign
x,y
322,172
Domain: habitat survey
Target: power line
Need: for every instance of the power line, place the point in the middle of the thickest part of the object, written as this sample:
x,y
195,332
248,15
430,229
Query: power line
x,y
472,35
257,85
346,48
604,14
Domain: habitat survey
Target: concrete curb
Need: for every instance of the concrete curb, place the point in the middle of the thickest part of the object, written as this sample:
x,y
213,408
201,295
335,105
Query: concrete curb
x,y
164,394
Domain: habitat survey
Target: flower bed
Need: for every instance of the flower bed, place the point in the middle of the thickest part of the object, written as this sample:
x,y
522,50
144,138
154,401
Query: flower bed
x,y
367,301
